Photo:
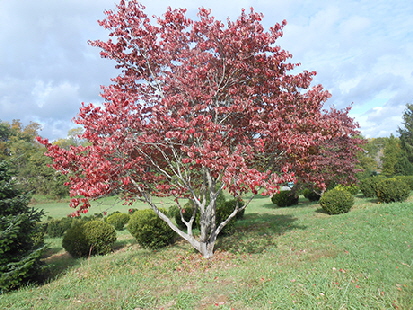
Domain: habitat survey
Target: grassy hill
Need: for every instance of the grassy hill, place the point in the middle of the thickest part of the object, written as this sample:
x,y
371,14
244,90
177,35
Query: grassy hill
x,y
279,258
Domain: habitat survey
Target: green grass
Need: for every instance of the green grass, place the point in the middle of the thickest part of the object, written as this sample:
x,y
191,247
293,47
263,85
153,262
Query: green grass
x,y
108,204
280,258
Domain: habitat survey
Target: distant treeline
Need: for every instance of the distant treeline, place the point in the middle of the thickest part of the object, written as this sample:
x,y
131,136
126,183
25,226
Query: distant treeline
x,y
389,156
26,159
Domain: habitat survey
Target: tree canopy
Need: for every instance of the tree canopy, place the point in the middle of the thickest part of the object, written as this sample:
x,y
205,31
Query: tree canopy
x,y
25,156
200,107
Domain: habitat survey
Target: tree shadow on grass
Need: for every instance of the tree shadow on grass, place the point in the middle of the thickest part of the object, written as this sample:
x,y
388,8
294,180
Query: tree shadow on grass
x,y
304,202
321,210
57,262
122,243
257,232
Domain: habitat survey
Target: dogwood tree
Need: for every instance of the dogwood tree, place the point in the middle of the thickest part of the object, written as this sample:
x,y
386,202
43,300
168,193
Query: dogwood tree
x,y
333,161
198,108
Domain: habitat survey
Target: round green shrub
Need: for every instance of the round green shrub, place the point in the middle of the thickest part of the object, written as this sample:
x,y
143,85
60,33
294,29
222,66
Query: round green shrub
x,y
74,241
118,220
285,198
368,186
224,209
230,205
352,189
392,190
100,235
187,212
408,179
172,211
311,195
57,227
149,230
90,238
336,201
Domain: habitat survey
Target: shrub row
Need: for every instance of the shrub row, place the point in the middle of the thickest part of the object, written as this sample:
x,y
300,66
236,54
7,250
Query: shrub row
x,y
55,228
152,232
340,199
368,186
387,190
392,190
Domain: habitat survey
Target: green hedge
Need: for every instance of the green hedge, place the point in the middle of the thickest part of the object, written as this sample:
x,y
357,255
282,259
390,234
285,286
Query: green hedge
x,y
392,190
352,189
118,220
149,230
57,227
311,195
90,238
407,179
285,198
336,201
368,186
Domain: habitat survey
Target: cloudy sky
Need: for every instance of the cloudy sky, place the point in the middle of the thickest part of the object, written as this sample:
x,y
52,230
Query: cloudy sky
x,y
361,49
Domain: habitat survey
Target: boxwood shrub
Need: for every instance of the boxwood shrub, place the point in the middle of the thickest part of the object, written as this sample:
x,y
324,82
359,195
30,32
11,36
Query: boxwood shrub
x,y
149,230
352,189
311,195
118,220
368,185
187,212
408,179
336,201
90,238
392,190
57,227
231,204
285,198
223,211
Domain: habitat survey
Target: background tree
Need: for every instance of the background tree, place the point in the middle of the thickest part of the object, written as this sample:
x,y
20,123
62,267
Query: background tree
x,y
406,133
21,239
367,164
395,160
73,139
19,147
391,154
199,108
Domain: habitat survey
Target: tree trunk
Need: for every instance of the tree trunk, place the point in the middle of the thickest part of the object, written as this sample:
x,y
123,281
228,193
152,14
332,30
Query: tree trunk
x,y
207,249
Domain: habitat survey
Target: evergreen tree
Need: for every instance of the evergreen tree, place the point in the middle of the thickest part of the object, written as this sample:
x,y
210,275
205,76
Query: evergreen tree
x,y
21,238
403,166
406,133
391,154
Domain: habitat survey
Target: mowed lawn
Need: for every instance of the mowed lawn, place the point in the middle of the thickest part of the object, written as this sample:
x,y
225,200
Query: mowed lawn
x,y
105,205
280,258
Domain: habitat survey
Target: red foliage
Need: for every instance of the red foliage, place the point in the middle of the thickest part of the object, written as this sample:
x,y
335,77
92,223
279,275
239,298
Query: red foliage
x,y
199,103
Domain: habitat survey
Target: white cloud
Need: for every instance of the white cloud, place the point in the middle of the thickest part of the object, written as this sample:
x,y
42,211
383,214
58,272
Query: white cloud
x,y
362,50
